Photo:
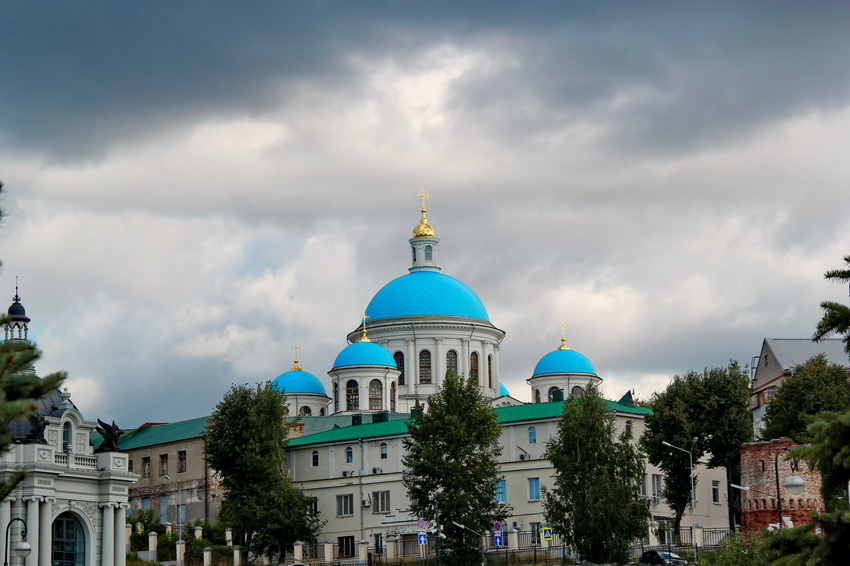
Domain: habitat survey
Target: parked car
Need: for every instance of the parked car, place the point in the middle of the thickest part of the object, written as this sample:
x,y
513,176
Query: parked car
x,y
661,557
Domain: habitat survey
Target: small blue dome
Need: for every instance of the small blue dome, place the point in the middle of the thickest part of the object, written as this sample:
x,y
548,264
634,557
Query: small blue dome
x,y
503,391
563,361
299,381
425,293
364,354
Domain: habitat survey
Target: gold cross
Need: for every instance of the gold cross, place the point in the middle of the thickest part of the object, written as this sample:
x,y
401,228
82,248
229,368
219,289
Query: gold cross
x,y
423,195
563,336
363,337
296,348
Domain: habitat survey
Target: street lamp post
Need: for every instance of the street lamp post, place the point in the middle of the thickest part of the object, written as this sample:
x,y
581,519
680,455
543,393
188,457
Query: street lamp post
x,y
179,504
693,496
23,548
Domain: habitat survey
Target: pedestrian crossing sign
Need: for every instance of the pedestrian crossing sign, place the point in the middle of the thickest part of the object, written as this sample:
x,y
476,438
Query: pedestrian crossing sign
x,y
547,533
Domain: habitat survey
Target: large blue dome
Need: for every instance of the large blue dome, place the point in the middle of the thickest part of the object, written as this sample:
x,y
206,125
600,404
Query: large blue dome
x,y
299,381
563,361
425,293
364,354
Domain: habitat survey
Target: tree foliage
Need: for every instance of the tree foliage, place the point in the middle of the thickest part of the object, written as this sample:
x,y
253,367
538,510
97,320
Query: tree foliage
x,y
246,441
20,390
836,317
815,386
595,503
705,413
451,461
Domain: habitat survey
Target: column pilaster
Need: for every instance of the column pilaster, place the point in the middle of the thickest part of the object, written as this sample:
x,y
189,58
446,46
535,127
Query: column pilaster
x,y
45,532
32,522
121,534
5,517
108,535
411,370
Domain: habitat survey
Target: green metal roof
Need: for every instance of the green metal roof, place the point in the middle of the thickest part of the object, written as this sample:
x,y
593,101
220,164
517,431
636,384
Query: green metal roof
x,y
152,434
518,413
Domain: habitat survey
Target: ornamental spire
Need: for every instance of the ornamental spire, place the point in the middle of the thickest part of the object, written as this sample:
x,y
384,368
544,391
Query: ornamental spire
x,y
423,229
363,337
295,349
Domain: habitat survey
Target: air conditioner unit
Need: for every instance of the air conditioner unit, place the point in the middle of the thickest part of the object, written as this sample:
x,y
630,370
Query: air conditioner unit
x,y
366,502
377,470
517,525
347,473
524,456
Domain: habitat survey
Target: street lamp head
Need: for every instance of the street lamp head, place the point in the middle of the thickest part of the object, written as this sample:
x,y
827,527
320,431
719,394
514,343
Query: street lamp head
x,y
794,485
23,549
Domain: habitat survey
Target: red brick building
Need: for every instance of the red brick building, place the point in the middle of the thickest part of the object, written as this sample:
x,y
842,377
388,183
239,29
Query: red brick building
x,y
758,472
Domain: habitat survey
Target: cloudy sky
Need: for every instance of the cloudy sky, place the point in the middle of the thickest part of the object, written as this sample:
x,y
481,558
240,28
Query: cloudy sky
x,y
192,189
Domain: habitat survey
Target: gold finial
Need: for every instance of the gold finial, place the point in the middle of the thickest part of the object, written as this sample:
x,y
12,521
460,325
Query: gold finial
x,y
295,349
363,337
423,229
563,345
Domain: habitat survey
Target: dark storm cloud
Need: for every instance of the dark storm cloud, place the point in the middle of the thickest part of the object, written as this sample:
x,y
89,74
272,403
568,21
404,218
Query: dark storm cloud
x,y
80,76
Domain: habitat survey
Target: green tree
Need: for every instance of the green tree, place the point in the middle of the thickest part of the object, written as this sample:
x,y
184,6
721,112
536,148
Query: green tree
x,y
836,317
451,461
246,441
828,452
20,390
595,503
704,412
815,386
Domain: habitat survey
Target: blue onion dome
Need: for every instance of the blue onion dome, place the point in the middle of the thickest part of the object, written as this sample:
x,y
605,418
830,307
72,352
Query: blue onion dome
x,y
364,353
563,360
503,391
298,381
425,293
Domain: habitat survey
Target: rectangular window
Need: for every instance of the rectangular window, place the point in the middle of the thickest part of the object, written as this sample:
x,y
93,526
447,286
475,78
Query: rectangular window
x,y
380,502
181,514
163,464
313,510
181,461
642,486
130,466
501,492
535,533
146,503
346,547
345,505
715,491
656,489
146,467
163,508
533,489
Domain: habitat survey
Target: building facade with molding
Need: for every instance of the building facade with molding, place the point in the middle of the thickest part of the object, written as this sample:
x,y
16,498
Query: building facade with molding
x,y
72,499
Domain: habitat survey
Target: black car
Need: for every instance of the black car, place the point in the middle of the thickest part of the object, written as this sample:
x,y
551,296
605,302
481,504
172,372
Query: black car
x,y
661,557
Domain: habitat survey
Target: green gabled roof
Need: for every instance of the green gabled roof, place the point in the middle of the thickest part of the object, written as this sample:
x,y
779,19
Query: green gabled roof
x,y
518,413
152,434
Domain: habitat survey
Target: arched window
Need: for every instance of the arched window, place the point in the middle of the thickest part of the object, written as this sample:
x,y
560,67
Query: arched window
x,y
69,541
576,391
451,361
473,365
629,428
536,395
532,435
67,437
414,255
349,455
352,396
314,459
490,371
429,253
552,393
392,396
399,364
383,450
336,397
322,412
305,411
425,367
376,395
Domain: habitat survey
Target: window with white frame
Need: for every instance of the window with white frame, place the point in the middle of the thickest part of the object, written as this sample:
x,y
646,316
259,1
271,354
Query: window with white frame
x,y
656,488
383,450
349,455
314,458
380,502
532,435
533,489
715,491
501,492
345,505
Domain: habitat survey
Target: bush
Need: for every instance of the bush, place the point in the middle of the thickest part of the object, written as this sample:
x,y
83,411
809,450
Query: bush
x,y
738,551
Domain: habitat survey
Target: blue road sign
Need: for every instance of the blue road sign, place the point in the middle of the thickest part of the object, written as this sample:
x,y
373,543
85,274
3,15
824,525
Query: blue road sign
x,y
547,533
423,538
497,540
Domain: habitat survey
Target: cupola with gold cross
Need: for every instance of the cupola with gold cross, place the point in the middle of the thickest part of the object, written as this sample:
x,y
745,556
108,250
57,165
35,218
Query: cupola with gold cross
x,y
424,242
562,370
